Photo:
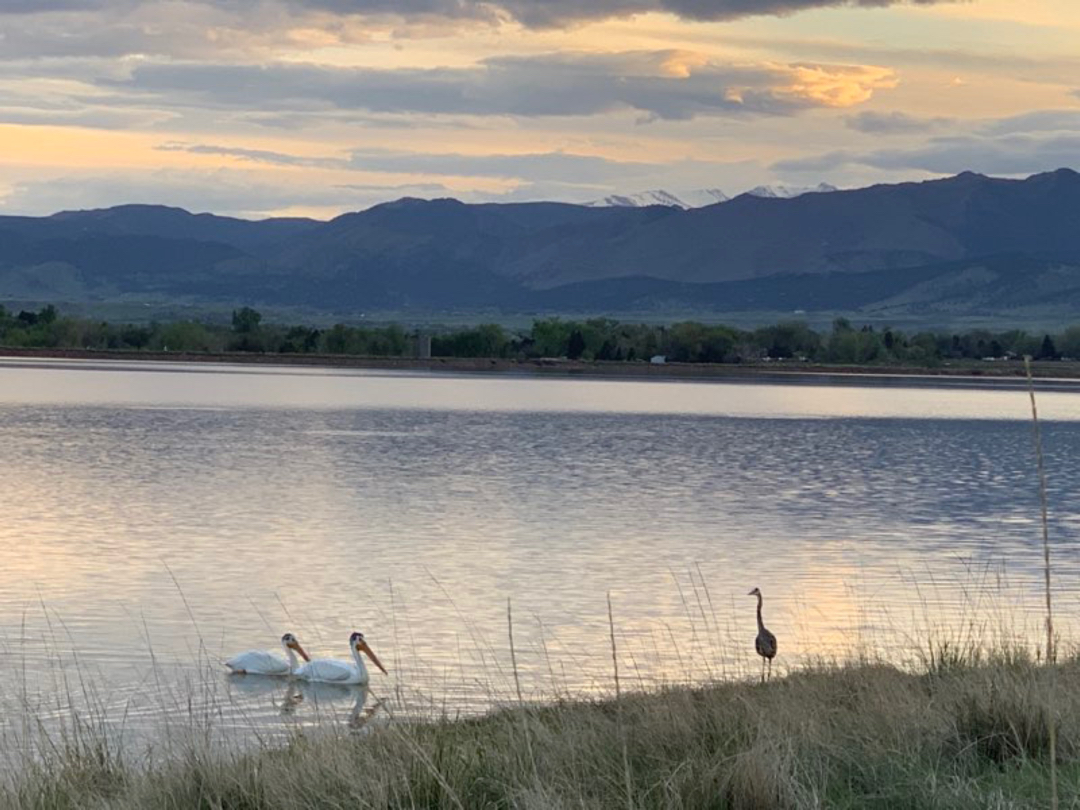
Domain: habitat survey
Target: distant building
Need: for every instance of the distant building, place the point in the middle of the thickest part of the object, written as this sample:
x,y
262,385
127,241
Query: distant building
x,y
658,359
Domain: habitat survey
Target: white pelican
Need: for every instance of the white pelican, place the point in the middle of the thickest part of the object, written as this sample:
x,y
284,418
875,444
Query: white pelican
x,y
327,670
260,662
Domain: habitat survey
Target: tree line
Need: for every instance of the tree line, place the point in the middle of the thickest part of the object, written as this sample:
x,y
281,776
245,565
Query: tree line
x,y
602,339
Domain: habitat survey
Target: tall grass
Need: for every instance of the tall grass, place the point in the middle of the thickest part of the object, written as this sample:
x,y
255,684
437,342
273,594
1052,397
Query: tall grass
x,y
965,716
961,721
974,735
959,718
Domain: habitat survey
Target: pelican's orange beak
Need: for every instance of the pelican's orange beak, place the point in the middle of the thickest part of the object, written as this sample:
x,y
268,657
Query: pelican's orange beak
x,y
296,646
364,648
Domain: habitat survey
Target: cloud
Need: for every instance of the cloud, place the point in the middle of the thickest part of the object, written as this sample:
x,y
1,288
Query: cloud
x,y
537,13
90,118
259,30
1008,155
364,178
388,192
256,155
52,6
1037,121
551,166
185,29
1037,141
554,12
671,85
223,191
893,123
558,167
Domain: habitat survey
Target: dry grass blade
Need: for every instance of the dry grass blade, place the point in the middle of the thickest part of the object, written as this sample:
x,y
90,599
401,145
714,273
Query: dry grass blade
x,y
627,776
1051,657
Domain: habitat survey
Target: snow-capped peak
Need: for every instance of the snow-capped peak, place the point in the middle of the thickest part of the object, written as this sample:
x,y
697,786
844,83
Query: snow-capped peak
x,y
699,198
781,191
684,199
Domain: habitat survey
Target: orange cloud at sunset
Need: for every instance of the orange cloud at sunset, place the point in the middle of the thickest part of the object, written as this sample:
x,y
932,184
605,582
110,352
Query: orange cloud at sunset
x,y
282,95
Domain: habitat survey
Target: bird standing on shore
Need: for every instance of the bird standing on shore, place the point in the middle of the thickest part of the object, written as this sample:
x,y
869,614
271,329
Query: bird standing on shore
x,y
765,643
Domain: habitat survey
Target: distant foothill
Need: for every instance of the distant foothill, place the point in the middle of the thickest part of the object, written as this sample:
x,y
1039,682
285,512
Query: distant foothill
x,y
964,246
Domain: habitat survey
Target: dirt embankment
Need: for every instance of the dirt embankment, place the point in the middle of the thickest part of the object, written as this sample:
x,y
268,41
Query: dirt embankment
x,y
553,366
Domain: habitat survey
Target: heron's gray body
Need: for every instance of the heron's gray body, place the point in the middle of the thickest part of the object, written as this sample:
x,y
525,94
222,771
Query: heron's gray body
x,y
765,643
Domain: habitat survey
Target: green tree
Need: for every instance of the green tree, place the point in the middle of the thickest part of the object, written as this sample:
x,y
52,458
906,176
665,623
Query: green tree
x,y
575,346
185,336
299,340
1069,342
789,339
486,340
248,335
1047,351
336,339
849,346
245,320
551,337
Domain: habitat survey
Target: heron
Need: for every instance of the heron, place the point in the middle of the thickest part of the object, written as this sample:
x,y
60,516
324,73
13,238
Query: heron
x,y
765,643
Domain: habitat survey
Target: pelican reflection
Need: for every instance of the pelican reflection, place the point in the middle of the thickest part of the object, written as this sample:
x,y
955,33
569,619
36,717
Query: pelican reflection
x,y
330,696
324,700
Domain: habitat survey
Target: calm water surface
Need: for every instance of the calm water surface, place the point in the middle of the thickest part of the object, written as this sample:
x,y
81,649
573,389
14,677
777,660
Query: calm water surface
x,y
158,518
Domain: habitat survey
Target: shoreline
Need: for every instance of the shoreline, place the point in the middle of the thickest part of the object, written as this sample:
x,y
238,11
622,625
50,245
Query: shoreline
x,y
963,733
983,371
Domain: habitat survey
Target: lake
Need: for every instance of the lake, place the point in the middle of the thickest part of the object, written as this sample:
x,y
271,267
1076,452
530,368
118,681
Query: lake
x,y
160,517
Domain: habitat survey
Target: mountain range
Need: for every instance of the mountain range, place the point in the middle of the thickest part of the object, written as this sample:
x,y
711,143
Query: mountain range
x,y
699,198
968,244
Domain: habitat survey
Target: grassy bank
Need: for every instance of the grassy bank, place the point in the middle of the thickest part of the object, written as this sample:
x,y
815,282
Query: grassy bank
x,y
961,735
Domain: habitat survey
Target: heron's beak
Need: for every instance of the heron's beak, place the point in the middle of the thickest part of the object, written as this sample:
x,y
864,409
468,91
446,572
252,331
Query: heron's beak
x,y
363,647
296,646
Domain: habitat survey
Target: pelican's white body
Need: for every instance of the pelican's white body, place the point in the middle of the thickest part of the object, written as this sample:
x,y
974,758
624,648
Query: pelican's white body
x,y
329,670
261,662
258,662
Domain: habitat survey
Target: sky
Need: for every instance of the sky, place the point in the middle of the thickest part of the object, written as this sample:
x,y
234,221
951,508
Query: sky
x,y
258,108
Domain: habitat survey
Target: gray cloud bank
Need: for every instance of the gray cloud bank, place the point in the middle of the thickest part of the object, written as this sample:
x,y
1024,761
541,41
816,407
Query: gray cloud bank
x,y
562,167
653,83
893,123
538,13
1013,154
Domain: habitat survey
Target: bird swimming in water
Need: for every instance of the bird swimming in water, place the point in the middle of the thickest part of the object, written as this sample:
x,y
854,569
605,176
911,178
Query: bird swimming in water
x,y
328,670
260,662
765,643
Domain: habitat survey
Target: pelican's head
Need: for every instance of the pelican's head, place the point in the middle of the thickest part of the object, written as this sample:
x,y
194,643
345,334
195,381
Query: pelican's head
x,y
755,592
356,640
289,642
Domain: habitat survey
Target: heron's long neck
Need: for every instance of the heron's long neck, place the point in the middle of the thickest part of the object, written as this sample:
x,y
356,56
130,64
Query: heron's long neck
x,y
292,659
760,623
359,661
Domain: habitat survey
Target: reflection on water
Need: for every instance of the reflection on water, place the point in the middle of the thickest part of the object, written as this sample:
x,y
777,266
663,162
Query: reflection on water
x,y
158,520
303,701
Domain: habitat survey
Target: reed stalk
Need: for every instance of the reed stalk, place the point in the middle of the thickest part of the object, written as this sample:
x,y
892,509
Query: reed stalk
x,y
1051,657
627,777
